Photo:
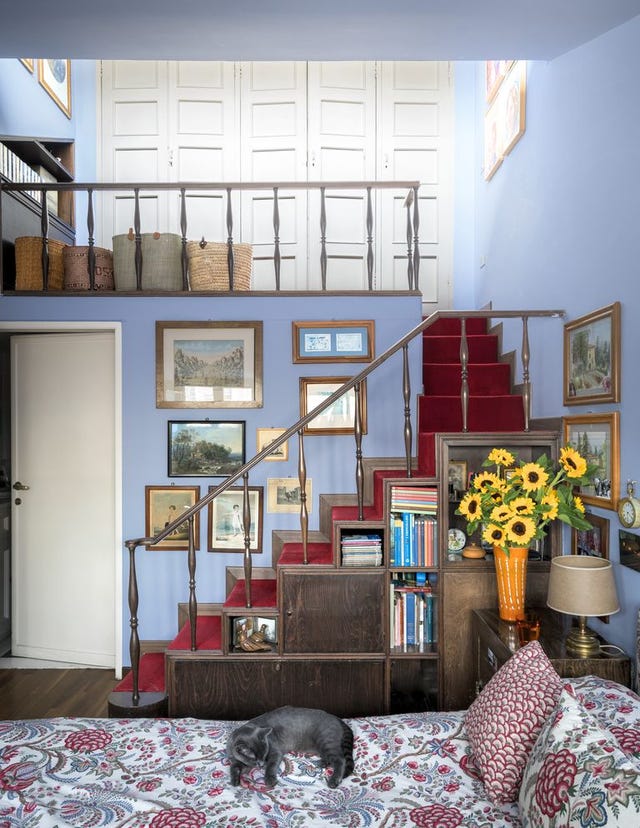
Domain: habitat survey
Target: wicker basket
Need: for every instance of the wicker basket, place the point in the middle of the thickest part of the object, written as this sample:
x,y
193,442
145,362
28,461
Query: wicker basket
x,y
161,261
29,263
209,269
76,268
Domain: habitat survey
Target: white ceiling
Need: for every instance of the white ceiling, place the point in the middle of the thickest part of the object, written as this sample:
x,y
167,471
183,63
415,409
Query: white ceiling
x,y
305,29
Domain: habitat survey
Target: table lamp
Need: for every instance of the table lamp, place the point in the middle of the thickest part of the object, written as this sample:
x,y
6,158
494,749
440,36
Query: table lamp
x,y
583,586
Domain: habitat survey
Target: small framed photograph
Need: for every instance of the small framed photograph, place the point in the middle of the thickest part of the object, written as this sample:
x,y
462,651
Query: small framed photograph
x,y
163,505
629,549
592,357
283,494
457,475
205,448
226,520
209,364
333,341
339,417
596,437
593,542
265,436
54,74
264,631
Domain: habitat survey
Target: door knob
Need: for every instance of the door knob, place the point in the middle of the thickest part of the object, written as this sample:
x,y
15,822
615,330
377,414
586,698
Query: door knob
x,y
20,487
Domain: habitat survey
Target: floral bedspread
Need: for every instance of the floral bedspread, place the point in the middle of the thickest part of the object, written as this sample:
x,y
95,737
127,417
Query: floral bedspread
x,y
410,769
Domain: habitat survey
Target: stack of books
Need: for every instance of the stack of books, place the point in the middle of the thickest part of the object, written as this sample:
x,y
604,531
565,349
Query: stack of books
x,y
361,550
413,615
414,499
414,529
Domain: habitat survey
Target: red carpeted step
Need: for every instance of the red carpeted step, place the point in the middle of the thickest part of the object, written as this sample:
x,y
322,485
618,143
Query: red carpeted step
x,y
263,594
208,634
150,675
426,454
452,327
447,349
497,413
319,554
351,513
485,379
379,476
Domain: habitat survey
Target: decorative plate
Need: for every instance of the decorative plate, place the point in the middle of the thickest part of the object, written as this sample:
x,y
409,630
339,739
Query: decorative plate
x,y
457,540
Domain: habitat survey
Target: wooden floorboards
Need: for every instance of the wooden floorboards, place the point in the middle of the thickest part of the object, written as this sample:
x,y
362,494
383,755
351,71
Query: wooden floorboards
x,y
35,694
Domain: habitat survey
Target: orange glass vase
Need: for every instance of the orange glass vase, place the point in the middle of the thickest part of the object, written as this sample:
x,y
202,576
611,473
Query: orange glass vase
x,y
511,575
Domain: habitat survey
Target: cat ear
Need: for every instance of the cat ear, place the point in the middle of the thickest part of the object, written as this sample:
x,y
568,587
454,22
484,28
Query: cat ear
x,y
265,731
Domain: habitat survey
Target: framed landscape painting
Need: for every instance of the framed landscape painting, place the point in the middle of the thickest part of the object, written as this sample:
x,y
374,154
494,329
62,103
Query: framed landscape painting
x,y
592,357
596,437
205,448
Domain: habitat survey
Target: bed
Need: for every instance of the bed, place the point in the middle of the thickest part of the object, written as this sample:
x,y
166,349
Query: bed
x,y
411,769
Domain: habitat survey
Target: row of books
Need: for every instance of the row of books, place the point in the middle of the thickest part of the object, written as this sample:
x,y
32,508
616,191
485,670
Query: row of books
x,y
414,539
16,170
414,618
414,499
361,550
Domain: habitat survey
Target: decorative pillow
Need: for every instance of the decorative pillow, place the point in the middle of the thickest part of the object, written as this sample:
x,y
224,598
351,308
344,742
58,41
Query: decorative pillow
x,y
503,723
577,775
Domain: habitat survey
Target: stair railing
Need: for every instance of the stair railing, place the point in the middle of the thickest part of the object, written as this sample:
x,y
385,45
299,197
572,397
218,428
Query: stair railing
x,y
298,428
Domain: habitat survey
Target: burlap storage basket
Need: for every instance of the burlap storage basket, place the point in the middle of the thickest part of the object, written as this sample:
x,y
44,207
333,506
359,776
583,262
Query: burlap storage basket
x,y
76,268
209,268
161,261
29,263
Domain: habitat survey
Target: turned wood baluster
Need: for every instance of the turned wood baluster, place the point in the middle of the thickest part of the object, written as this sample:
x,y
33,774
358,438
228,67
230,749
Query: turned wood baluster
x,y
323,238
276,237
464,363
138,237
91,257
183,232
408,202
416,248
406,396
357,431
134,639
304,514
191,562
246,520
44,232
526,382
230,262
369,239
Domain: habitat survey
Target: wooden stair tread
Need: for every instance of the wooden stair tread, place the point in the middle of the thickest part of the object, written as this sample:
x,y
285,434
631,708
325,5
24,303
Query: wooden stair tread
x,y
208,634
150,675
263,594
318,554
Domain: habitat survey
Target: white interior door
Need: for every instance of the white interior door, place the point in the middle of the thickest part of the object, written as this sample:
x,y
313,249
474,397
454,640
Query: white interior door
x,y
63,536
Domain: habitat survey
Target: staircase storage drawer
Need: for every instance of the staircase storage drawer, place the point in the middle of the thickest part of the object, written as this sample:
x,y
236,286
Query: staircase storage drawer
x,y
353,687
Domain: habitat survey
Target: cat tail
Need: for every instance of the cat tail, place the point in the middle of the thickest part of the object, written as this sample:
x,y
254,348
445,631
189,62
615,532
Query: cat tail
x,y
347,749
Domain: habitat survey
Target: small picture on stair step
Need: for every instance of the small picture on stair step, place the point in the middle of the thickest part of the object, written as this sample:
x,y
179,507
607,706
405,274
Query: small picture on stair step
x,y
226,520
283,494
164,505
254,634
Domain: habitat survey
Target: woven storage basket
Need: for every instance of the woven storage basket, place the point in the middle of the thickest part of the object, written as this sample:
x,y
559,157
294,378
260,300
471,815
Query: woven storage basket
x,y
161,261
76,268
209,269
29,263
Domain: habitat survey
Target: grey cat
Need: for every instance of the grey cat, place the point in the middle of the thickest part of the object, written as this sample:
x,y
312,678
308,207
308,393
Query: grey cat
x,y
263,741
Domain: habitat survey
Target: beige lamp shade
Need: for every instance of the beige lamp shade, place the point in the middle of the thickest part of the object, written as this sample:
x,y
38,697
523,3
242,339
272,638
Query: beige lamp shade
x,y
581,585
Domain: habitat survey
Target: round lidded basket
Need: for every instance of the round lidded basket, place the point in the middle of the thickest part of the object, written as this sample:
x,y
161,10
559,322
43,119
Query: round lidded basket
x,y
76,268
209,268
29,263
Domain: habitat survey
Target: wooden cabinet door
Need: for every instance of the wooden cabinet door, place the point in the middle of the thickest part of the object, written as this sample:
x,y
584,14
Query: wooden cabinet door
x,y
345,688
333,612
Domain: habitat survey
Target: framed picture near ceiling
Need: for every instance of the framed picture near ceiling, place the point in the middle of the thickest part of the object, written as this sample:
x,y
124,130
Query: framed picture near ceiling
x,y
226,520
512,103
28,63
493,140
163,505
205,448
596,437
494,74
54,75
592,357
333,341
339,417
209,364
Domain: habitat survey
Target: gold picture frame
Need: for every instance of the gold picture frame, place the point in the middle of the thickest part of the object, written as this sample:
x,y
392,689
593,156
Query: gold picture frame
x,y
343,341
592,357
265,436
596,437
339,417
54,75
28,63
163,504
283,495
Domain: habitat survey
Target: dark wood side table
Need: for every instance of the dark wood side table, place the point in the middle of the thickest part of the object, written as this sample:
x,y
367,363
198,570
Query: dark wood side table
x,y
495,641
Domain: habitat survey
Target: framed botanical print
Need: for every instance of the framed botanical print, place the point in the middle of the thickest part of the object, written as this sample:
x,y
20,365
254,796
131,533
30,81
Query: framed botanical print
x,y
596,437
592,357
226,520
163,505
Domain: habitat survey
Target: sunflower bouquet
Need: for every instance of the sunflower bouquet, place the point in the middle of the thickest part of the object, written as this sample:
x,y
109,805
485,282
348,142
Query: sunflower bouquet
x,y
515,503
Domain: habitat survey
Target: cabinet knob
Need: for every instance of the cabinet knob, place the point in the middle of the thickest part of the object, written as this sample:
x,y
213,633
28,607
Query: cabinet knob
x,y
289,613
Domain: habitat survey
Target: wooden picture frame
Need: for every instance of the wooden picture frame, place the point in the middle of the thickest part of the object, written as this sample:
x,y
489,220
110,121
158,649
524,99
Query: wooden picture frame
x,y
596,437
494,73
351,341
205,448
209,364
458,475
255,623
592,357
264,436
493,140
163,504
629,543
339,418
28,63
225,530
54,75
512,102
283,495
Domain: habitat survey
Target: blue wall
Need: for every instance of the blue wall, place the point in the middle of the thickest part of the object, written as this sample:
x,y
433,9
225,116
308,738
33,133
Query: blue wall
x,y
559,224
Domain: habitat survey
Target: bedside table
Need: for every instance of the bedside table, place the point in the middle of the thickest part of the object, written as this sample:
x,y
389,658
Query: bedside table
x,y
495,641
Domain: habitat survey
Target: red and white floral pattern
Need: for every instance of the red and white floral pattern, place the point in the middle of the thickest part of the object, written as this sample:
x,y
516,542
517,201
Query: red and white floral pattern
x,y
503,723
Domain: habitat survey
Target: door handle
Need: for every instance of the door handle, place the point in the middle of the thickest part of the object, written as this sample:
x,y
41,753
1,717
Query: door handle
x,y
20,487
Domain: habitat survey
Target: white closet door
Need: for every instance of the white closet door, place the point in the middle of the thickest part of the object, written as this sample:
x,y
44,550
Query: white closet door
x,y
273,126
342,147
416,135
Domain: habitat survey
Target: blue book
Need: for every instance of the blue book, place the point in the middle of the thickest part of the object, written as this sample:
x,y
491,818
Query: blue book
x,y
428,619
406,538
410,617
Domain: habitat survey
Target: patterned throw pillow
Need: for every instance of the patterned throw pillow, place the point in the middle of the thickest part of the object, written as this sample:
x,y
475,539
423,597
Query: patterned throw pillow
x,y
577,775
503,723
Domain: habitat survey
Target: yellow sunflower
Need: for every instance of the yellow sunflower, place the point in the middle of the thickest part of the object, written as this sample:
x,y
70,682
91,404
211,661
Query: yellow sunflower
x,y
470,506
501,457
519,530
534,477
551,501
487,480
500,514
493,534
577,502
573,463
522,506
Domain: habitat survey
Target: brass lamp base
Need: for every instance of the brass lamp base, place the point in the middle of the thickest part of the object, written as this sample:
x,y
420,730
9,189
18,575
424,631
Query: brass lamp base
x,y
582,642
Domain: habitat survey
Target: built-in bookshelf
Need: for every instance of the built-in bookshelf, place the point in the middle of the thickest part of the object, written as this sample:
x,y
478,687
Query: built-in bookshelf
x,y
413,612
413,526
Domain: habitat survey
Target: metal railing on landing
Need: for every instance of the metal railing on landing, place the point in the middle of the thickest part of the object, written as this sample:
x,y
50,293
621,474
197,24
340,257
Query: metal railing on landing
x,y
298,428
411,206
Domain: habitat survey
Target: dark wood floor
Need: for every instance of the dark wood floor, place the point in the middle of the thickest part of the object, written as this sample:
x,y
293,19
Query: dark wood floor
x,y
34,694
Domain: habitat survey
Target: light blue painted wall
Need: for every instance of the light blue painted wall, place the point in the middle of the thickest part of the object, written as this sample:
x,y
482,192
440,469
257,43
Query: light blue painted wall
x,y
559,226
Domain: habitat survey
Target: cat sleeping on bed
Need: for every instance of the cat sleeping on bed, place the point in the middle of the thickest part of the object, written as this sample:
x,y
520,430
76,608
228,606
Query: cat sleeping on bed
x,y
263,741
